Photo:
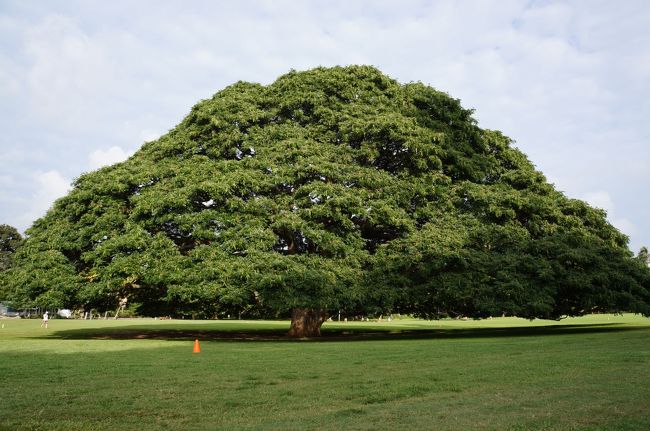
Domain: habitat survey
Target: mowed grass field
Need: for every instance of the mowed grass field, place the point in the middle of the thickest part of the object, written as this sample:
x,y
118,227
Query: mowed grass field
x,y
590,373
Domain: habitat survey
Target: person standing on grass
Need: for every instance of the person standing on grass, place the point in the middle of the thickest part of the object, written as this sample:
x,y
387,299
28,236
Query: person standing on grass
x,y
46,319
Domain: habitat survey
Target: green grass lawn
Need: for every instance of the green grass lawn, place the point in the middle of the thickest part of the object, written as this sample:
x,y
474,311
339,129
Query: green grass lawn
x,y
591,373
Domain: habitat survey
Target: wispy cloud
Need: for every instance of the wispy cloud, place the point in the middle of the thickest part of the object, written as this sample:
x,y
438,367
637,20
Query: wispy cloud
x,y
50,186
114,154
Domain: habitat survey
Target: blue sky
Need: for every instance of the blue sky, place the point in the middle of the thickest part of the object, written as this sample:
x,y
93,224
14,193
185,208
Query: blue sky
x,y
86,83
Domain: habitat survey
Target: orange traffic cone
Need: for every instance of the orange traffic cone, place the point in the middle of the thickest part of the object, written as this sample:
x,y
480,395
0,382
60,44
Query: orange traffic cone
x,y
197,346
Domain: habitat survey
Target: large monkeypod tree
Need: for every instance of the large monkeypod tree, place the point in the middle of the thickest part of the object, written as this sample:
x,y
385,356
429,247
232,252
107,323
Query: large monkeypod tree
x,y
331,189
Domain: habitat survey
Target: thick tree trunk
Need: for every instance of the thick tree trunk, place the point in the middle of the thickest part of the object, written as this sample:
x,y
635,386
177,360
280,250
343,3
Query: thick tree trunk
x,y
306,322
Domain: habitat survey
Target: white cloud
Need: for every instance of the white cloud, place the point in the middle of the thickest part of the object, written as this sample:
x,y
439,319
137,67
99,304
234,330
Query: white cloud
x,y
148,135
48,187
51,186
114,154
6,181
550,19
68,73
625,226
600,199
603,200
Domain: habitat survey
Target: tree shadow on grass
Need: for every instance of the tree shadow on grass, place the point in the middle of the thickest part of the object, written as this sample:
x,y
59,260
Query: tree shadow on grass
x,y
171,332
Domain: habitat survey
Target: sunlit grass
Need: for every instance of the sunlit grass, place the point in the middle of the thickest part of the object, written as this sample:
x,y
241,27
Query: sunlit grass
x,y
587,373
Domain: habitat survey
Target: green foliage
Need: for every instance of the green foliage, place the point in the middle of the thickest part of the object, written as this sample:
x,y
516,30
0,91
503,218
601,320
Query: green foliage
x,y
333,189
10,240
643,257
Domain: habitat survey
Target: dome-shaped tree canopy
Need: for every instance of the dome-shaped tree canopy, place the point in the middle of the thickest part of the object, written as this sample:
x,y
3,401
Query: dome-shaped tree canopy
x,y
334,188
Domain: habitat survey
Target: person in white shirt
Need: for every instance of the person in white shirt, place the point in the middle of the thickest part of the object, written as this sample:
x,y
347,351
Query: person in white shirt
x,y
46,319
